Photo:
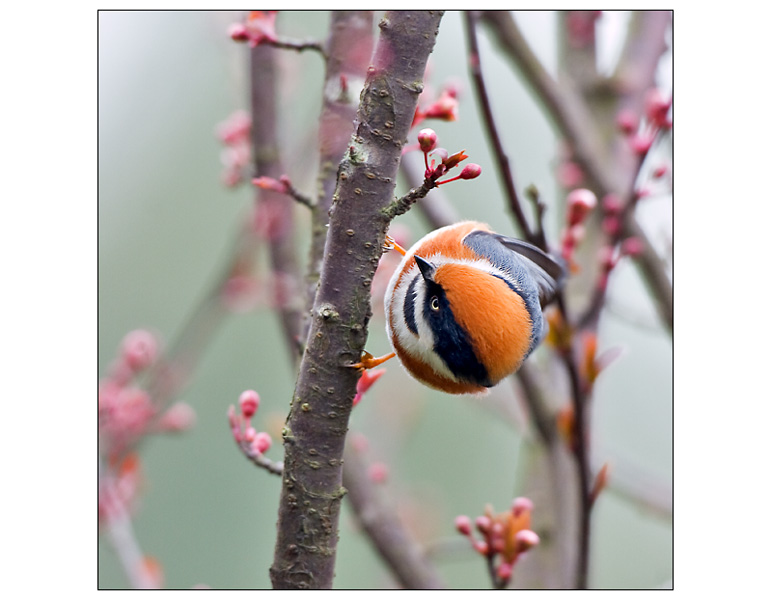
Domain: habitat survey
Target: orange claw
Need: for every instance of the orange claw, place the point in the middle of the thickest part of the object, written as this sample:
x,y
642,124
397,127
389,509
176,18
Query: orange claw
x,y
368,361
392,245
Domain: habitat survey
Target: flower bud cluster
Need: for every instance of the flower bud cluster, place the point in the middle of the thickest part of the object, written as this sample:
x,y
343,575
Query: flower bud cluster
x,y
640,134
245,435
259,28
126,411
444,108
236,154
503,537
427,142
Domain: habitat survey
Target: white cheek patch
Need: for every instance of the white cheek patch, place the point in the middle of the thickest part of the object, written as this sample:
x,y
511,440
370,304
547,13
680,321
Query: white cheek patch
x,y
420,346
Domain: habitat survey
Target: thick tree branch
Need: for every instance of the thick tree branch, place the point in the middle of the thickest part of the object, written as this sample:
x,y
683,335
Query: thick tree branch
x,y
349,49
316,426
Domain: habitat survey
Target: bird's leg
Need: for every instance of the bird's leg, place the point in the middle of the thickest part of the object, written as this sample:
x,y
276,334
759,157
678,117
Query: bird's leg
x,y
390,244
368,361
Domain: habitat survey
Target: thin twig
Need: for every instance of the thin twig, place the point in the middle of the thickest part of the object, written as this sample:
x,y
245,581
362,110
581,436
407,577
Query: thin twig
x,y
297,45
504,170
573,119
274,467
401,205
581,454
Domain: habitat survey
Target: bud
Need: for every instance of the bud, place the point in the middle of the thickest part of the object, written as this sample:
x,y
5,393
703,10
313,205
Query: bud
x,y
378,472
179,417
261,443
641,142
601,480
481,547
483,524
612,205
504,571
471,171
139,349
441,153
249,402
238,32
657,107
463,525
269,183
427,140
627,121
453,160
632,246
520,505
368,378
580,202
526,539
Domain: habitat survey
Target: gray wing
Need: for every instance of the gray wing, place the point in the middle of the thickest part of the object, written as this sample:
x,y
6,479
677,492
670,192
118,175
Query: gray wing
x,y
547,271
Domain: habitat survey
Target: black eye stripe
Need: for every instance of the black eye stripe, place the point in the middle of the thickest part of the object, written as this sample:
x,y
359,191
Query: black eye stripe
x,y
451,342
409,306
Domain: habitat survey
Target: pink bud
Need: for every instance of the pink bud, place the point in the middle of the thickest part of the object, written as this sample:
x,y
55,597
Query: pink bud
x,y
641,142
659,171
632,246
463,525
139,349
440,153
612,205
238,32
249,434
427,140
607,258
249,402
368,378
504,571
520,505
627,121
481,547
657,107
378,472
610,225
471,171
526,539
580,202
269,183
179,417
261,443
483,524
569,174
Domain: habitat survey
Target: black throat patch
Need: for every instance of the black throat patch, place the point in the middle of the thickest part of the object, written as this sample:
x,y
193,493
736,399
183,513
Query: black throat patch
x,y
451,343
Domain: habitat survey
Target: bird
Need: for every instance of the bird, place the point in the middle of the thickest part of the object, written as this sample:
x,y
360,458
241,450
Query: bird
x,y
464,307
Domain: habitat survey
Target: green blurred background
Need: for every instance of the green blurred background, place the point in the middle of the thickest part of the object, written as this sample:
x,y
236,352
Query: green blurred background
x,y
166,79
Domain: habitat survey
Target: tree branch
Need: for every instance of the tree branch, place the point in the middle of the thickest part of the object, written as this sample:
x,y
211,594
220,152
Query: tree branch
x,y
349,49
571,116
316,426
267,162
391,539
504,170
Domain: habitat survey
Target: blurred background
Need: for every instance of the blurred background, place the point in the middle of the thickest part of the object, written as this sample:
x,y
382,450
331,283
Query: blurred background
x,y
166,79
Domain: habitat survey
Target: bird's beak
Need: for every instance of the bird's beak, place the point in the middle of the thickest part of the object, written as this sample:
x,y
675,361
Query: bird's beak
x,y
427,268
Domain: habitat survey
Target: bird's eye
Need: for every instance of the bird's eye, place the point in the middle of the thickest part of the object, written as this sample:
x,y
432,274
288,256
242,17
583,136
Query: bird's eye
x,y
434,303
